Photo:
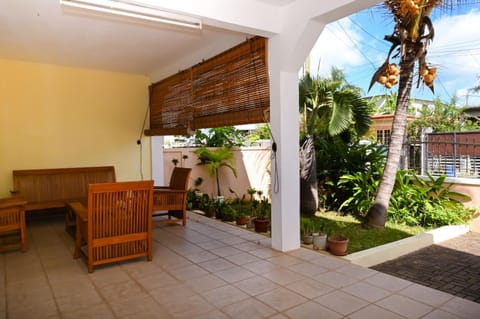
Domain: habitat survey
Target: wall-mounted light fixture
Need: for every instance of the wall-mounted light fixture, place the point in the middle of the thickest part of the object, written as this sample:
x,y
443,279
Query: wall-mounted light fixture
x,y
136,10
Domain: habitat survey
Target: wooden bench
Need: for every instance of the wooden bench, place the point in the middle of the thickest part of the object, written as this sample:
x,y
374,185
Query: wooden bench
x,y
51,188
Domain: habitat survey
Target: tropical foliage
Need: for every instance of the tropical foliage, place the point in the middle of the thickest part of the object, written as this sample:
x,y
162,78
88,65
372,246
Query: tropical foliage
x,y
441,117
412,34
214,159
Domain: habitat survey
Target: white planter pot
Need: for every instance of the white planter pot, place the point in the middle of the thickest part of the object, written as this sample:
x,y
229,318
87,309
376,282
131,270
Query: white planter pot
x,y
320,242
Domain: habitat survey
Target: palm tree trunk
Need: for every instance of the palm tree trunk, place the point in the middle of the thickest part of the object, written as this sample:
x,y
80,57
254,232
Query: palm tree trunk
x,y
308,178
377,215
218,182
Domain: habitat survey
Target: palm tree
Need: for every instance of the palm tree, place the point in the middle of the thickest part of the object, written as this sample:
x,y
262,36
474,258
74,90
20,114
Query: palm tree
x,y
412,35
329,107
214,160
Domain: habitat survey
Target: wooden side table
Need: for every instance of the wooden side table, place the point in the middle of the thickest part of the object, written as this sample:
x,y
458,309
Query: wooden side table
x,y
12,218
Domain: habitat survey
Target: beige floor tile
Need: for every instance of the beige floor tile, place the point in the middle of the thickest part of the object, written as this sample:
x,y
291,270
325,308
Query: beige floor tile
x,y
283,276
265,252
328,261
102,277
188,272
307,269
462,308
248,309
373,311
242,258
247,246
205,283
72,287
225,295
387,282
216,265
281,299
232,240
261,267
440,314
335,279
34,310
215,314
256,285
310,310
72,303
171,294
234,274
341,302
404,306
356,271
100,311
211,244
278,316
304,253
148,314
135,304
121,291
200,256
138,269
155,280
226,251
285,260
426,295
189,307
309,288
367,292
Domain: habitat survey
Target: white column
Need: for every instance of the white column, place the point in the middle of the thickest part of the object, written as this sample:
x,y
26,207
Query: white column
x,y
285,220
157,160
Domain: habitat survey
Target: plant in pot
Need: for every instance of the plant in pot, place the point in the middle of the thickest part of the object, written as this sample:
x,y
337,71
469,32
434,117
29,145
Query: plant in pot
x,y
262,216
338,244
229,213
306,230
320,239
242,212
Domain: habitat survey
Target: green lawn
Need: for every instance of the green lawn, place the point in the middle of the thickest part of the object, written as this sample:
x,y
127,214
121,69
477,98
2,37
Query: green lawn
x,y
361,238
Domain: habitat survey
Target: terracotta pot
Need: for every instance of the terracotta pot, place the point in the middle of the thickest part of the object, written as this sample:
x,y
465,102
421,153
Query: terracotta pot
x,y
261,225
242,220
337,245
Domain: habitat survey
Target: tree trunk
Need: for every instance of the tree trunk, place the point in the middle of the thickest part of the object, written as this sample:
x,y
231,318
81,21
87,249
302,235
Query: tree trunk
x,y
218,182
377,215
308,178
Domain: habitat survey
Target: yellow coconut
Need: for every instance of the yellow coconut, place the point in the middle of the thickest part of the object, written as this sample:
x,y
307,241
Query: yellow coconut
x,y
382,79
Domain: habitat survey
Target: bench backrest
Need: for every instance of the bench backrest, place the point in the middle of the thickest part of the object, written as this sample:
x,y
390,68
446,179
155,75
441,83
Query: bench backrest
x,y
59,184
119,221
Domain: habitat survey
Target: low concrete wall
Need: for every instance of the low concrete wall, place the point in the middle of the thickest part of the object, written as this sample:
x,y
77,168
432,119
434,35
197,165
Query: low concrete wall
x,y
252,164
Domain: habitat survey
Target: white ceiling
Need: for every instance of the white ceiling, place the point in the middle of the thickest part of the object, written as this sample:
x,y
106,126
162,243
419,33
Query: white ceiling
x,y
43,31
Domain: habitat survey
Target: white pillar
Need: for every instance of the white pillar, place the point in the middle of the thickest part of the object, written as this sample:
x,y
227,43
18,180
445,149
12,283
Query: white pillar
x,y
157,160
285,220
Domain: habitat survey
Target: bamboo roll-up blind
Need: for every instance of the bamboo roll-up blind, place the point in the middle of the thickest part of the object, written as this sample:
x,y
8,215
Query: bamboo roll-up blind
x,y
231,88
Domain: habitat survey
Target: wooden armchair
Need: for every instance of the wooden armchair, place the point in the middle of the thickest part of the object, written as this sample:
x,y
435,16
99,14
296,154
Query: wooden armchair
x,y
12,219
171,200
117,224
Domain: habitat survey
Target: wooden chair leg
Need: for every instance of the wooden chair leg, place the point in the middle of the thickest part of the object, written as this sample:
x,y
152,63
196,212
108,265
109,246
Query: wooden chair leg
x,y
23,232
78,239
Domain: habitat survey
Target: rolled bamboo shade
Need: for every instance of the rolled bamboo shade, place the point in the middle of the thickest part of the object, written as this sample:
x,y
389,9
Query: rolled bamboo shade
x,y
231,88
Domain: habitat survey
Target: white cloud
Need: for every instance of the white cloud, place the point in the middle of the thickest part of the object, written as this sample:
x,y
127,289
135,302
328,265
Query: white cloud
x,y
335,47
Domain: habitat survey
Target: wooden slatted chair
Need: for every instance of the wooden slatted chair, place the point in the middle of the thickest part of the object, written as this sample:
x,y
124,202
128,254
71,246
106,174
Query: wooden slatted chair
x,y
171,200
12,219
117,225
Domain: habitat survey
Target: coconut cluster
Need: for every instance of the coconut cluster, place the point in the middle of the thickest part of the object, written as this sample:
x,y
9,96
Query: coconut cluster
x,y
389,76
429,75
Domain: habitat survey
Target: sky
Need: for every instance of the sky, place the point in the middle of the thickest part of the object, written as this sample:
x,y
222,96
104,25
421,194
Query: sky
x,y
356,45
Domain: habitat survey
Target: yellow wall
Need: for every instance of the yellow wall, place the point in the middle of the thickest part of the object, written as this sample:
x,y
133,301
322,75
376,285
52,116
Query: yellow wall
x,y
54,116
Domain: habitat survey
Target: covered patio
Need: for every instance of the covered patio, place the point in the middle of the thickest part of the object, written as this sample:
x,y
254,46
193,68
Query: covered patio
x,y
207,269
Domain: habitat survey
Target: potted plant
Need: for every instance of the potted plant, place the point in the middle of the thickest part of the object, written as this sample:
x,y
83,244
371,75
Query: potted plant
x,y
320,240
306,228
338,244
229,213
263,211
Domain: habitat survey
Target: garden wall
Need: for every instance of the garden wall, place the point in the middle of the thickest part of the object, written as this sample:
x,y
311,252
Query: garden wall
x,y
252,164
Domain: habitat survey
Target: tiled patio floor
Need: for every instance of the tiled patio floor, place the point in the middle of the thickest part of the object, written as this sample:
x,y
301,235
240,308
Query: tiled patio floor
x,y
207,270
